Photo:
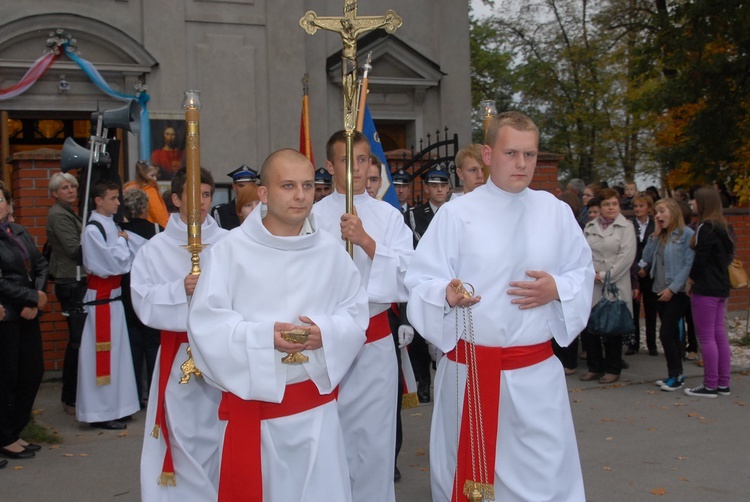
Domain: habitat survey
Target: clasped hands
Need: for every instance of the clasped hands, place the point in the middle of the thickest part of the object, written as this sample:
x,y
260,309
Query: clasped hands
x,y
539,291
314,339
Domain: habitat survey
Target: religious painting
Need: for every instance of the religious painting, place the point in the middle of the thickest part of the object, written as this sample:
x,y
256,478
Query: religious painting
x,y
168,145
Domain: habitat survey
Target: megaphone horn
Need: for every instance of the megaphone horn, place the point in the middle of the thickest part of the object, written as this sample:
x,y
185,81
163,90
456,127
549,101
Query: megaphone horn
x,y
126,117
74,156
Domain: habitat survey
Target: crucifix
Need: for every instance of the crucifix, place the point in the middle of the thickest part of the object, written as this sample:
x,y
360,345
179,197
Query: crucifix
x,y
350,26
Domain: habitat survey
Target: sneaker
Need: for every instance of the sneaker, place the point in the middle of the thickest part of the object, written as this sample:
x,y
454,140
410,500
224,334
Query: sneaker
x,y
701,391
659,383
724,391
672,384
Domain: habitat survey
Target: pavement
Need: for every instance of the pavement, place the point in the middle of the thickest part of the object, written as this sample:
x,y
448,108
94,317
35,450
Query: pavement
x,y
636,442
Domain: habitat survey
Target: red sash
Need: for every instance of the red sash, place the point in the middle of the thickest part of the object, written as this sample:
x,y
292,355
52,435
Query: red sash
x,y
491,361
241,478
170,344
103,325
379,327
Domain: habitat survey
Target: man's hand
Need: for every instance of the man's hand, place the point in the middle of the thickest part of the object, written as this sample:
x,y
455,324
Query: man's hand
x,y
352,229
641,272
314,339
534,293
405,335
42,302
282,345
190,283
122,233
29,313
456,298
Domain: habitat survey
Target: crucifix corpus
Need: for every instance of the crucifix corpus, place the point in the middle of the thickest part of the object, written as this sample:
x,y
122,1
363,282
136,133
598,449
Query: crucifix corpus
x,y
350,26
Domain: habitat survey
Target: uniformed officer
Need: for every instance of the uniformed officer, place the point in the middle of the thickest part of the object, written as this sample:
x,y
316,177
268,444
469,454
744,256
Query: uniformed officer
x,y
402,186
437,186
226,214
323,183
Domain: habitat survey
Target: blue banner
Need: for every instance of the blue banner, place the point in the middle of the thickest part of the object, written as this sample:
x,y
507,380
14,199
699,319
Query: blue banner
x,y
368,129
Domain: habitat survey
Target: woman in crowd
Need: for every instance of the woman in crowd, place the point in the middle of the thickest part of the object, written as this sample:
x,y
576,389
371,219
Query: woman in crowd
x,y
643,222
612,240
670,257
23,277
144,341
247,200
145,179
708,286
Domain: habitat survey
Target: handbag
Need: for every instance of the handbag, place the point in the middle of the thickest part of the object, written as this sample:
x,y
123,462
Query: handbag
x,y
737,275
610,317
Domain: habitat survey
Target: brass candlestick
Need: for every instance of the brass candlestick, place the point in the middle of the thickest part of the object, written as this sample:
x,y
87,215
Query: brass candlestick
x,y
192,105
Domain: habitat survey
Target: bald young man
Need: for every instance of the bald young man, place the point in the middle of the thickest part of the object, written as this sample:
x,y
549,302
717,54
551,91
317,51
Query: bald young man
x,y
299,278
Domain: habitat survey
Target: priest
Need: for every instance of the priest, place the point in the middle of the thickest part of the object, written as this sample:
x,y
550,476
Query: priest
x,y
382,250
181,452
522,251
276,276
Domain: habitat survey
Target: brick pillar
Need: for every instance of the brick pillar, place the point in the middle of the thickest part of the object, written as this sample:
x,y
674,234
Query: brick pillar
x,y
739,218
31,202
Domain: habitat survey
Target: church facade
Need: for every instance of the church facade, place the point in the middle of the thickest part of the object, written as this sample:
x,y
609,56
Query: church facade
x,y
248,59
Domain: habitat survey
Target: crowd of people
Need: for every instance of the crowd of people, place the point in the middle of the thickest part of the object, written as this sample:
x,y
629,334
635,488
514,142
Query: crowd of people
x,y
295,386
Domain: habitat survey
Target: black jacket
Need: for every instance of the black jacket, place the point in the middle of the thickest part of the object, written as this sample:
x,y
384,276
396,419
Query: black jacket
x,y
19,286
418,219
226,215
713,254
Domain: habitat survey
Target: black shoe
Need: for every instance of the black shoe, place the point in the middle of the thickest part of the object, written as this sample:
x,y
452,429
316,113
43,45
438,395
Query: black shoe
x,y
653,352
110,425
16,454
624,365
125,420
3,463
631,352
32,447
396,475
423,393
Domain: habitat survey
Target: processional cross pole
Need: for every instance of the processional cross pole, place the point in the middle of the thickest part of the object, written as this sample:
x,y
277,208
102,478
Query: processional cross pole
x,y
350,27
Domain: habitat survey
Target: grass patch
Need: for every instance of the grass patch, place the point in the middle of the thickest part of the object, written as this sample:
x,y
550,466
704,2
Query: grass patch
x,y
35,433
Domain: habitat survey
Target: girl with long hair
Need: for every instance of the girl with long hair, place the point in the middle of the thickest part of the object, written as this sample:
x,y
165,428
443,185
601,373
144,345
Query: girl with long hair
x,y
708,286
670,257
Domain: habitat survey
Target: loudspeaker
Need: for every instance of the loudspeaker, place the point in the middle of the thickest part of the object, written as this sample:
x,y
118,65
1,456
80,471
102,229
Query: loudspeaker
x,y
126,117
74,156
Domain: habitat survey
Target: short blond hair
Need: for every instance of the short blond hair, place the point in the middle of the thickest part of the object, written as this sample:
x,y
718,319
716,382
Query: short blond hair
x,y
517,120
472,151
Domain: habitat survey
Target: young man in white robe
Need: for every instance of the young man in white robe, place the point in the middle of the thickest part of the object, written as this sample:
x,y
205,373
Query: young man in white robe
x,y
274,274
186,467
107,393
523,253
382,251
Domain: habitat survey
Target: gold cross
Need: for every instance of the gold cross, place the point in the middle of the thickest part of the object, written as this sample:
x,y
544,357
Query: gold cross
x,y
350,26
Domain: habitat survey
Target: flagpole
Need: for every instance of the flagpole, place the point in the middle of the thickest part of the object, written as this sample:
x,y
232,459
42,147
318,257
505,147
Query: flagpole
x,y
305,140
367,68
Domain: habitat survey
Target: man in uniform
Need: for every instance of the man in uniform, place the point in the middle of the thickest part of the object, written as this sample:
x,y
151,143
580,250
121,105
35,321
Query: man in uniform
x,y
402,186
437,185
226,214
382,251
183,435
323,183
283,439
523,254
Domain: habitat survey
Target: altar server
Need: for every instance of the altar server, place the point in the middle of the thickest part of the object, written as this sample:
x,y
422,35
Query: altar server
x,y
523,253
106,381
274,274
382,251
182,443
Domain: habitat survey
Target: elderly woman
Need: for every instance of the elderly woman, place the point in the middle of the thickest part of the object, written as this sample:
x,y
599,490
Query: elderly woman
x,y
612,241
144,341
64,239
23,277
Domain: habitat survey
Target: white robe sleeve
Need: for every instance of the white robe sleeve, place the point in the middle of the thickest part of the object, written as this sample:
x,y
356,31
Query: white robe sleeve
x,y
159,304
389,264
574,283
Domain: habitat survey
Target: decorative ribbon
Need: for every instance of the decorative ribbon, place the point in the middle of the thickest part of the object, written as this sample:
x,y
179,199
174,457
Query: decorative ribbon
x,y
40,67
241,478
103,325
491,361
170,344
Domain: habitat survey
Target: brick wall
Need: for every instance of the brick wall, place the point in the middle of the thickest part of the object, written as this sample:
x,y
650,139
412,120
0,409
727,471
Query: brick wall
x,y
739,299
